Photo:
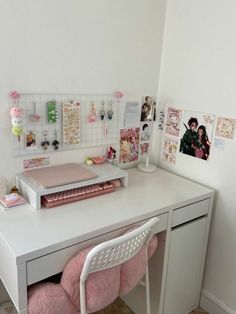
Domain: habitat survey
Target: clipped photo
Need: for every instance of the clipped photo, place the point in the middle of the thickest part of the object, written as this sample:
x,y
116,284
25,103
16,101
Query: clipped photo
x,y
144,148
31,140
196,134
148,109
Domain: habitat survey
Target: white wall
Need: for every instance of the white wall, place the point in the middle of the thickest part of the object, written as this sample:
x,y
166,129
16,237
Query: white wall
x,y
76,46
199,73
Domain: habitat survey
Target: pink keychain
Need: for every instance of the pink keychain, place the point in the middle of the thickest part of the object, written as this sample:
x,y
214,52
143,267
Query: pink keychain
x,y
92,116
34,117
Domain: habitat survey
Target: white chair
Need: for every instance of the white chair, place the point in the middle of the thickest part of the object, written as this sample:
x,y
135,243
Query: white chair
x,y
115,252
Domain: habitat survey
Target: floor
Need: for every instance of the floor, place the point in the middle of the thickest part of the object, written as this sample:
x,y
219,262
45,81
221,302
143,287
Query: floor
x,y
118,307
199,311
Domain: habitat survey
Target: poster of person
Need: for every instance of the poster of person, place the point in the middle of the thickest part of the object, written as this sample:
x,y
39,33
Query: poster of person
x,y
129,144
148,109
144,148
196,137
146,130
173,121
169,151
225,127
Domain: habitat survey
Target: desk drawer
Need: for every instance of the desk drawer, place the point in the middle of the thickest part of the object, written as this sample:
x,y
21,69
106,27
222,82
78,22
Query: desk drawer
x,y
190,212
54,263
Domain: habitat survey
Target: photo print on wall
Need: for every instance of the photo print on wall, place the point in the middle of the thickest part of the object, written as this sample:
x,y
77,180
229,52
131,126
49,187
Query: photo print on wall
x,y
31,140
146,130
144,147
169,150
148,109
173,121
225,128
196,135
129,144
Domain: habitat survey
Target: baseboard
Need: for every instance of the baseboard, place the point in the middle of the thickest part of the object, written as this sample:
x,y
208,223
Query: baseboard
x,y
212,305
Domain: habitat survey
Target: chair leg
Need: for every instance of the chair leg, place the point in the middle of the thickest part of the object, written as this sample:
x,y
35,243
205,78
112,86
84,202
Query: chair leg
x,y
147,288
82,298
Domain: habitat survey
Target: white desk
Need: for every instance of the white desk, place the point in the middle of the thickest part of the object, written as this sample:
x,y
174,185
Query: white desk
x,y
37,244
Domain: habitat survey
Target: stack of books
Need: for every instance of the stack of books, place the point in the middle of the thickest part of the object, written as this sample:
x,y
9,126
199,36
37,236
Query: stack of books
x,y
12,200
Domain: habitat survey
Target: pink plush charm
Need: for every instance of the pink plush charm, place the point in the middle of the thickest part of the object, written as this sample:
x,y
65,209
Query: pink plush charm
x,y
17,121
16,112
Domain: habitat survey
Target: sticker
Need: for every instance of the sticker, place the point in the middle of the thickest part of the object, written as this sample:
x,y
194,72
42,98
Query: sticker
x,y
161,120
71,123
225,127
36,162
196,135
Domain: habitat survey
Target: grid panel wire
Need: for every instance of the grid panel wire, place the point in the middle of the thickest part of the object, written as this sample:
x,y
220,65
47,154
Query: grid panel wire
x,y
92,134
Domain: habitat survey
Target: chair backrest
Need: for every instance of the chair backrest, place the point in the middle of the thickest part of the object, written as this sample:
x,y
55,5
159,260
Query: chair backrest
x,y
119,250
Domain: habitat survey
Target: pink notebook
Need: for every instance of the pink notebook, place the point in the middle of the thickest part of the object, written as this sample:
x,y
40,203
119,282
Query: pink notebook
x,y
53,176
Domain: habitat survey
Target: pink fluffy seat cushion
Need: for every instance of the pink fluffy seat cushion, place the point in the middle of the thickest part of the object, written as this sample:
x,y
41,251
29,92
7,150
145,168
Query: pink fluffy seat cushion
x,y
49,298
102,287
133,270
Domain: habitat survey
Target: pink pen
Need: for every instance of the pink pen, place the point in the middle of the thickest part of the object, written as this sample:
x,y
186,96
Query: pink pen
x,y
105,129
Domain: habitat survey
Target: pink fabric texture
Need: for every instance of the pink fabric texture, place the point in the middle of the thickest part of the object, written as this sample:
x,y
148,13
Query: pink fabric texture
x,y
102,287
133,270
49,298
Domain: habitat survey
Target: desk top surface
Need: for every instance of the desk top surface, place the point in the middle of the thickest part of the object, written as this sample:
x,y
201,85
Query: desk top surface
x,y
31,233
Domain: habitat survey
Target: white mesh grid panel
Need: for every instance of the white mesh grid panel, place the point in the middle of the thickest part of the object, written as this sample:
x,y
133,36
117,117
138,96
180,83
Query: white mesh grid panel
x,y
100,133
